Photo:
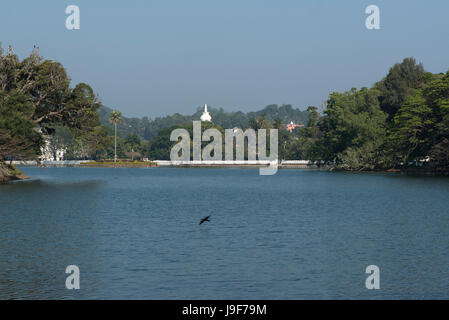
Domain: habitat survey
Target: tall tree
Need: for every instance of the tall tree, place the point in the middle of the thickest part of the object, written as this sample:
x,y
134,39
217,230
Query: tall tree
x,y
401,82
115,118
421,127
18,134
35,96
354,129
133,142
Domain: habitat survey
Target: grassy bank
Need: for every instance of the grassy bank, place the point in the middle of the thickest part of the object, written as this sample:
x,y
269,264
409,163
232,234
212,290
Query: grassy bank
x,y
9,173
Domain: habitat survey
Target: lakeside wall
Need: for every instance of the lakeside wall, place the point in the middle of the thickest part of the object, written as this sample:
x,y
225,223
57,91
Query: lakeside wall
x,y
64,163
168,163
6,175
236,163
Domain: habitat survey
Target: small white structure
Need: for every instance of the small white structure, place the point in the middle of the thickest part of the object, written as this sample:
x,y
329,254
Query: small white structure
x,y
50,153
205,117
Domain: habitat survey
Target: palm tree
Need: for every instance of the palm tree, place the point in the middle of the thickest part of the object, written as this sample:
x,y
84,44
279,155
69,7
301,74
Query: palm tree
x,y
115,118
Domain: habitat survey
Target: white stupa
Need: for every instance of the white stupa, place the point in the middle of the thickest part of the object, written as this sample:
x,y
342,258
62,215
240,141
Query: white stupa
x,y
205,117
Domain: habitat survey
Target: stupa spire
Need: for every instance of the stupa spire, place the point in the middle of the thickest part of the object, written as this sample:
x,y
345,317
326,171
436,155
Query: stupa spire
x,y
205,117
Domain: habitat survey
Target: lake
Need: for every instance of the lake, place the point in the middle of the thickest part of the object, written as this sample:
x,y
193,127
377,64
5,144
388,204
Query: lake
x,y
300,234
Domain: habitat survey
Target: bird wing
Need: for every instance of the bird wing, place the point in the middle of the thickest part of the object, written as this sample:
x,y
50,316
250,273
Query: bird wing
x,y
205,219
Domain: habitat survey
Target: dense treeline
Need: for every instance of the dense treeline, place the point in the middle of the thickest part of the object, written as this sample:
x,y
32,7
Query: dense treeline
x,y
149,138
402,119
147,128
36,97
160,146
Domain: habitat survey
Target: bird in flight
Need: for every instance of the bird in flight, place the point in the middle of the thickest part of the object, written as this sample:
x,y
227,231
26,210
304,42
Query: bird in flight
x,y
205,219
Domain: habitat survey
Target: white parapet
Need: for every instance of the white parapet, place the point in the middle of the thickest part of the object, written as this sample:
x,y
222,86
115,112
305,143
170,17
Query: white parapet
x,y
217,163
62,163
298,162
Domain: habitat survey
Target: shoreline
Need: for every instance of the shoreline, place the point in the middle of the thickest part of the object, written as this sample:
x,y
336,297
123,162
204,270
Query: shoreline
x,y
9,172
117,165
16,174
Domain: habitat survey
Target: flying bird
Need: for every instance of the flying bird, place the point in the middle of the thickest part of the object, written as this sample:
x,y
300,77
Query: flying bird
x,y
204,220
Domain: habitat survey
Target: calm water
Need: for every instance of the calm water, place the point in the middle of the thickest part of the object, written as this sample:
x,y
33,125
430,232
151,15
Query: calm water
x,y
300,234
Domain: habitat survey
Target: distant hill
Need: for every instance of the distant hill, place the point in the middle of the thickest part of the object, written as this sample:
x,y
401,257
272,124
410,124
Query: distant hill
x,y
147,128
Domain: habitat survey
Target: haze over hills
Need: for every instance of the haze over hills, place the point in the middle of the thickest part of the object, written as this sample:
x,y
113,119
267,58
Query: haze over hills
x,y
147,128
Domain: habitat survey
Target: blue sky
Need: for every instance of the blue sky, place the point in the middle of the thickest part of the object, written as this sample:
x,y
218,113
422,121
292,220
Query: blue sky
x,y
152,58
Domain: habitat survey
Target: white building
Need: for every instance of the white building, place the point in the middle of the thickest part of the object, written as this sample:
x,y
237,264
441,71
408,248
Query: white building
x,y
205,117
51,153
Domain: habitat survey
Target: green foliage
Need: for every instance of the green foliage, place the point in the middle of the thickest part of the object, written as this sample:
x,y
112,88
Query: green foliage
x,y
36,97
353,124
411,133
404,117
421,127
146,129
401,81
133,141
9,172
354,131
115,117
18,136
304,145
160,146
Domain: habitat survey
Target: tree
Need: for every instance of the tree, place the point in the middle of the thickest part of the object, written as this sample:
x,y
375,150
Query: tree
x,y
401,82
313,118
304,145
146,128
35,97
421,126
410,135
439,153
133,142
96,142
115,119
260,122
18,135
50,99
353,129
277,124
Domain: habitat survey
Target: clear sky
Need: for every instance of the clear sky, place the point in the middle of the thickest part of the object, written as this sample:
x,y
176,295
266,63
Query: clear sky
x,y
152,58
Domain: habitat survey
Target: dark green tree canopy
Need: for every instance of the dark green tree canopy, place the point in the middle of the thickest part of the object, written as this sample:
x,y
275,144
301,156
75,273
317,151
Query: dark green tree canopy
x,y
421,127
401,81
36,96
